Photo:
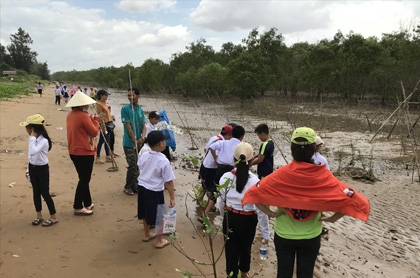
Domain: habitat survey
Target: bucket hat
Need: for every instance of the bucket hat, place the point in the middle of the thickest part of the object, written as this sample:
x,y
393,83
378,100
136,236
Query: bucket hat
x,y
36,119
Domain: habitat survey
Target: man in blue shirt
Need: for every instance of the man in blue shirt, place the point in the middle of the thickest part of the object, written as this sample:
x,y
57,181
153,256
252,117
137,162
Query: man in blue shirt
x,y
134,123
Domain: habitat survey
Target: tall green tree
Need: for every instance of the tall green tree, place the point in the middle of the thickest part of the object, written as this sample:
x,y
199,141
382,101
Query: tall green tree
x,y
21,54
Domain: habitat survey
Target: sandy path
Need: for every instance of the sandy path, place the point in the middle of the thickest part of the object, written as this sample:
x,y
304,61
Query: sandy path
x,y
108,244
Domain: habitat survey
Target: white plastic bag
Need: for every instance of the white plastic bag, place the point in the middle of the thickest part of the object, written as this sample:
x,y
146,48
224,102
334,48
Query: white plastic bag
x,y
165,219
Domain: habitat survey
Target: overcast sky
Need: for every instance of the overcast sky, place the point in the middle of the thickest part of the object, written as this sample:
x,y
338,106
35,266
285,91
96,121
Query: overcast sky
x,y
86,34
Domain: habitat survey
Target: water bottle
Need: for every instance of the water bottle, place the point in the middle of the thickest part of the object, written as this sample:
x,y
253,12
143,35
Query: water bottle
x,y
28,177
263,252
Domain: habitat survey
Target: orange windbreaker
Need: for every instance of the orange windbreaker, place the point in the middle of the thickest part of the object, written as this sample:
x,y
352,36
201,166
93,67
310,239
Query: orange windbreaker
x,y
300,185
81,131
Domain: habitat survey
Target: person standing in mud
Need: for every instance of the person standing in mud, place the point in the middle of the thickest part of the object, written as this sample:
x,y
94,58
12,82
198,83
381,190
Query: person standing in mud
x,y
132,117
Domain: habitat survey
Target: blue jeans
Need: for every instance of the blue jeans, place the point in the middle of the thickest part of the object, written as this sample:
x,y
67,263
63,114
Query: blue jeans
x,y
99,147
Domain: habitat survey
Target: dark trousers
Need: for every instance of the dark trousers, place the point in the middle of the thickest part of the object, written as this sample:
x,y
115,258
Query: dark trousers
x,y
239,242
84,167
132,170
221,170
99,146
305,250
57,100
167,153
40,179
111,139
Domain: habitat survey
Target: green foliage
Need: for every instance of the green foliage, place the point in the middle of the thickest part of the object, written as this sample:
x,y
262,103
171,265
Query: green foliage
x,y
349,66
19,50
193,159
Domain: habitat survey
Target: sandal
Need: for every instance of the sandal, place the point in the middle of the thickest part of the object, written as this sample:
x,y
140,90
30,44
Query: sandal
x,y
116,155
37,221
90,207
49,223
324,231
129,192
108,160
98,161
163,245
83,212
150,238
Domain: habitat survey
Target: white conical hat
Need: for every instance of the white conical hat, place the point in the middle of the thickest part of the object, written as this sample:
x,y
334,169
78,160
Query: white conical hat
x,y
80,99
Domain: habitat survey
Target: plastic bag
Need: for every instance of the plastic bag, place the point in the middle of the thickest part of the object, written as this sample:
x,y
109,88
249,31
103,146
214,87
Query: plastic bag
x,y
165,219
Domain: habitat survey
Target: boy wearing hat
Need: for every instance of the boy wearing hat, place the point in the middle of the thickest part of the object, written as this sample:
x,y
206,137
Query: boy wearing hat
x,y
317,157
92,93
154,117
209,166
156,174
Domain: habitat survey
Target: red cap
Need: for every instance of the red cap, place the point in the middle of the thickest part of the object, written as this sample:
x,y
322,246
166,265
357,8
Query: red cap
x,y
227,129
91,88
78,86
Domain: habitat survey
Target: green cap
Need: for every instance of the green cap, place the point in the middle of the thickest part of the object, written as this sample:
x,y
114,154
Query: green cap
x,y
304,132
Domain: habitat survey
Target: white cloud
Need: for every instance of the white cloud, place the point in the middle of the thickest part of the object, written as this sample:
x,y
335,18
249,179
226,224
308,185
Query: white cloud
x,y
133,6
69,37
287,16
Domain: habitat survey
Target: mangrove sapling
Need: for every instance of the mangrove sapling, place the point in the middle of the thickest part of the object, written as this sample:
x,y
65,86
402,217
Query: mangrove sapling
x,y
353,154
340,155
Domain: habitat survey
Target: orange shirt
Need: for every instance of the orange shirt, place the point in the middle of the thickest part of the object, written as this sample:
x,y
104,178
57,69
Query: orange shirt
x,y
81,131
300,185
101,108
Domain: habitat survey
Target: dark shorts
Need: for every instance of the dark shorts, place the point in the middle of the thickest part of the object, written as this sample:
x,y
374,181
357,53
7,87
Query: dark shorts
x,y
39,91
207,175
148,202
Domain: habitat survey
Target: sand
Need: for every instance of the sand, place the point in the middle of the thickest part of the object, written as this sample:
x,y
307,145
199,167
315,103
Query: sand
x,y
108,243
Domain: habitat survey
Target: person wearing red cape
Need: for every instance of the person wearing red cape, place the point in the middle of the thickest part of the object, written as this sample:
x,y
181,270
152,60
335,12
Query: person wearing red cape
x,y
301,191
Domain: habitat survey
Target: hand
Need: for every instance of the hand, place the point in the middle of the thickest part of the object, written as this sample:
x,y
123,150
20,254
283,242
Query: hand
x,y
33,133
102,116
332,218
27,175
171,203
276,214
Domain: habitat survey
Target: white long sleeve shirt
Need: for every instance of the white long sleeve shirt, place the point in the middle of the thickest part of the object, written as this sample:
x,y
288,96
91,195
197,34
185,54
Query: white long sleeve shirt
x,y
208,161
226,150
38,150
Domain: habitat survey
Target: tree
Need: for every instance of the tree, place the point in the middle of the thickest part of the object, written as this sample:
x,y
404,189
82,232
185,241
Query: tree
x,y
21,55
4,56
41,69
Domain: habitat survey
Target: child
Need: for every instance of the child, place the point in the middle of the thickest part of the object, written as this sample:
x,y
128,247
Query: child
x,y
112,134
57,93
38,171
156,173
317,157
154,117
264,159
66,94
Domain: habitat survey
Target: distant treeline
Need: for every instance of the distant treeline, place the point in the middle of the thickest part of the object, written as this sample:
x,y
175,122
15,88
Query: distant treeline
x,y
348,67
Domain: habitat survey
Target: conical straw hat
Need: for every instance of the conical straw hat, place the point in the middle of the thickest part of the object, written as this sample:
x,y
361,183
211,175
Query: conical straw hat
x,y
80,99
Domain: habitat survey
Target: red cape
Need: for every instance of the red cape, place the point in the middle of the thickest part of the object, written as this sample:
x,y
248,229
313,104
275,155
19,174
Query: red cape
x,y
300,185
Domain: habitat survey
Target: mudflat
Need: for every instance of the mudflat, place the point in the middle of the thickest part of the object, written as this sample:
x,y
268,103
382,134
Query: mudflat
x,y
109,243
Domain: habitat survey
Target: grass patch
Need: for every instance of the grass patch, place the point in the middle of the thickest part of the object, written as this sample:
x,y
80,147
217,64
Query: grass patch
x,y
16,86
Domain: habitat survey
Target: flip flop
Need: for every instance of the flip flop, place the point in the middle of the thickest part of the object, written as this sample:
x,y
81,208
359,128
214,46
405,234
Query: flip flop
x,y
83,212
324,231
49,223
98,161
37,221
150,238
163,245
128,192
90,207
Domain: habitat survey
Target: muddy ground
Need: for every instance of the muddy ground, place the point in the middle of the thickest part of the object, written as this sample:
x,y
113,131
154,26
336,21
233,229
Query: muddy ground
x,y
108,244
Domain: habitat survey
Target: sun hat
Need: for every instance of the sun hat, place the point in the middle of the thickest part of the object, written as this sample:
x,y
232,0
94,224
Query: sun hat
x,y
80,99
227,129
304,132
155,114
155,137
36,119
245,149
319,140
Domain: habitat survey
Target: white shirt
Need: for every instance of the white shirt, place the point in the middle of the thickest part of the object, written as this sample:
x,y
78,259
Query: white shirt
x,y
155,170
208,161
37,150
320,160
150,127
226,150
144,150
57,92
233,199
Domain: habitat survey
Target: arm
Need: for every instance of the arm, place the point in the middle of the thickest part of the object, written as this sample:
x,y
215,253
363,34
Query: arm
x,y
170,186
130,132
266,209
36,147
213,153
331,218
258,159
91,124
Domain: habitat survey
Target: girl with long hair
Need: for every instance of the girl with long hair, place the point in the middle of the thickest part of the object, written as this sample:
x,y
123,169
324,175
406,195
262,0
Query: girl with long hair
x,y
38,170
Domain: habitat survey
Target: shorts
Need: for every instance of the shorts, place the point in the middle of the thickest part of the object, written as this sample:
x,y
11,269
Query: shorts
x,y
40,91
148,202
207,175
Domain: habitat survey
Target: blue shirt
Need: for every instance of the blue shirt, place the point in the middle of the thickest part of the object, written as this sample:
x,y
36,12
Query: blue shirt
x,y
127,117
265,168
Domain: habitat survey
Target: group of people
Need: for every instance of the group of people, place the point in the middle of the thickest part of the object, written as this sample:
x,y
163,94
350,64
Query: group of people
x,y
301,190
